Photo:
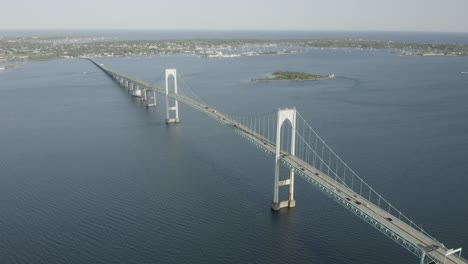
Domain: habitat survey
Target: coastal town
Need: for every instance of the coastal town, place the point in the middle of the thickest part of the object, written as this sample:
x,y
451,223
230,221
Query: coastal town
x,y
15,49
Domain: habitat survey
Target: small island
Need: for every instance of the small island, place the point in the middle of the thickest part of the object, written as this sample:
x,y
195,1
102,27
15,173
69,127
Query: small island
x,y
294,76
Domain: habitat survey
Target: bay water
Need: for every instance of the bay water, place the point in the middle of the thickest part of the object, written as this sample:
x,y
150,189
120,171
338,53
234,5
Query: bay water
x,y
88,174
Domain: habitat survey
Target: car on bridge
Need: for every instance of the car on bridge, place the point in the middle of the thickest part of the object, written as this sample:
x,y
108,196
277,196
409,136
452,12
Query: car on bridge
x,y
432,248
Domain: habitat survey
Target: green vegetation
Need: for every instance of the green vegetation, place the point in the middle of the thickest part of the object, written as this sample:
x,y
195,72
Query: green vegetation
x,y
292,76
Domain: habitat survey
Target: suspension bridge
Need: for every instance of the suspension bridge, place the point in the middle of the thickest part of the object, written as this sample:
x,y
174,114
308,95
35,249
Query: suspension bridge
x,y
287,136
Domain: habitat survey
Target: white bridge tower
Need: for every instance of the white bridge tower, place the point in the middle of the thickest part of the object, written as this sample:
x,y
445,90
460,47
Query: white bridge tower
x,y
284,115
175,107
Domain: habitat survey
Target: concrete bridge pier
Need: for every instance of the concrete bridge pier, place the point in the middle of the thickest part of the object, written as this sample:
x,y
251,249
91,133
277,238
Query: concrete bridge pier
x,y
151,100
284,115
133,90
137,91
143,94
175,107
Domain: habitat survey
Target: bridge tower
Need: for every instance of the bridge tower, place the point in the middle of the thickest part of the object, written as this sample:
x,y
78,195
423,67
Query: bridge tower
x,y
175,107
284,115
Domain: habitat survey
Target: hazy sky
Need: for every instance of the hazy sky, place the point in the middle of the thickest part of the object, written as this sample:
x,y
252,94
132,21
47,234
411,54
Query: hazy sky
x,y
388,15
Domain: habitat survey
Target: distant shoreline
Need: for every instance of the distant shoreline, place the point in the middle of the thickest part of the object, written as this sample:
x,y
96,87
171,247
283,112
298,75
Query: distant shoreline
x,y
47,48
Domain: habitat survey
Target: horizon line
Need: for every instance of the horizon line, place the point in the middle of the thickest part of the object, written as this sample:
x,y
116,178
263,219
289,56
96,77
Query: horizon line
x,y
231,30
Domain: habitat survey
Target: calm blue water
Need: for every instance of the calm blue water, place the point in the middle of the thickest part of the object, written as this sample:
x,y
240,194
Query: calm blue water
x,y
89,175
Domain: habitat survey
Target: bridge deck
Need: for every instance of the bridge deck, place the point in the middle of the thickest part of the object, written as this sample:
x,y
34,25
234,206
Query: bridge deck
x,y
385,222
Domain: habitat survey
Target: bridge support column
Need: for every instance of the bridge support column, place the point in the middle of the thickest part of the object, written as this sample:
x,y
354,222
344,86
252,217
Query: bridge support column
x,y
175,107
283,116
150,101
134,90
137,91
